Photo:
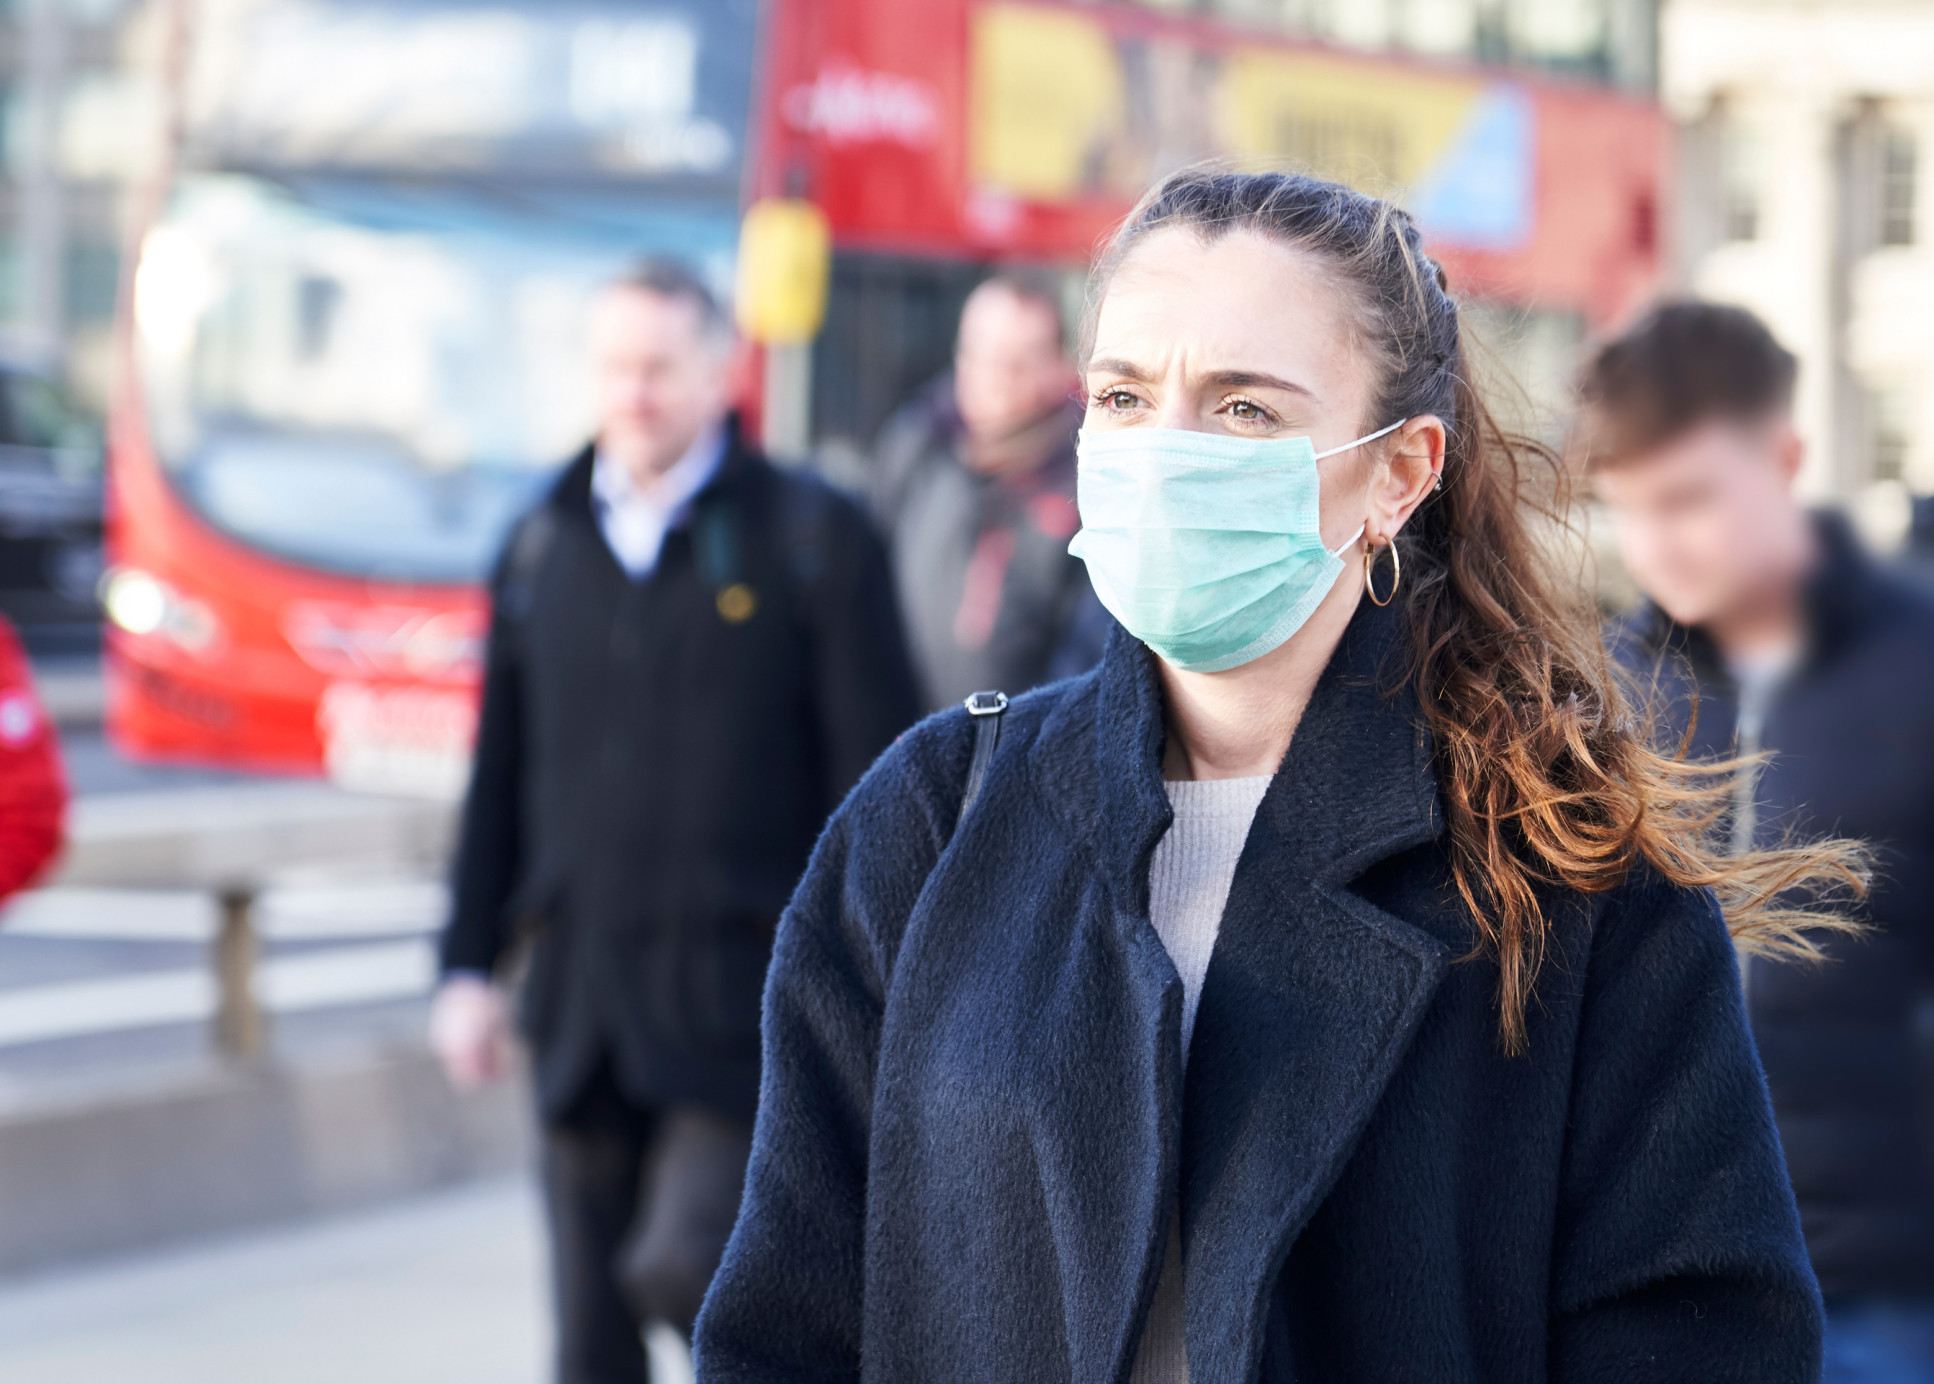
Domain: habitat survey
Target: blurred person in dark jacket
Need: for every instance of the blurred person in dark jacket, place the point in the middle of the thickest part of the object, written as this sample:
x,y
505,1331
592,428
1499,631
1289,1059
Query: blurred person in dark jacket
x,y
1767,628
33,788
974,481
692,657
1920,533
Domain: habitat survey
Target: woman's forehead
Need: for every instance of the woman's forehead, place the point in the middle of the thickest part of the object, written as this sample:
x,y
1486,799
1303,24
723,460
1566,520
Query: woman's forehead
x,y
1238,302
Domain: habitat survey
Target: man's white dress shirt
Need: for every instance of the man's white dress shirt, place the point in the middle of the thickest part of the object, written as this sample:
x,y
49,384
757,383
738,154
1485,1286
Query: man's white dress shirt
x,y
635,519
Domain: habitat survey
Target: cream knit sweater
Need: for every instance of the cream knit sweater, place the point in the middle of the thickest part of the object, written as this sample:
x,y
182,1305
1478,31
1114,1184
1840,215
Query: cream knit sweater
x,y
1188,887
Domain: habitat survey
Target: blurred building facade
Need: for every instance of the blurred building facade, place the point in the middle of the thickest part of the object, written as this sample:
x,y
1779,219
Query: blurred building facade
x,y
1803,167
80,123
1612,41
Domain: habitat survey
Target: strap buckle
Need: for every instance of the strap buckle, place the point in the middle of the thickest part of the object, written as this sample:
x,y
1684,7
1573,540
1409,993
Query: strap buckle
x,y
986,709
985,703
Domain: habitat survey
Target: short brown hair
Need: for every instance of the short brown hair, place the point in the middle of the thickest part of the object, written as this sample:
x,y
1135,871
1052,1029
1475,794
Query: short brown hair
x,y
1681,365
1038,287
681,283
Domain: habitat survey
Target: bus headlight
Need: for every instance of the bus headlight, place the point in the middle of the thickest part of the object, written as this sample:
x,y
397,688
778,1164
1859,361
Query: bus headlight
x,y
145,605
134,600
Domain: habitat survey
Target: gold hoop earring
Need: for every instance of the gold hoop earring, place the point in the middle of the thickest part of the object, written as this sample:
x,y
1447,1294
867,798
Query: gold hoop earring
x,y
1396,573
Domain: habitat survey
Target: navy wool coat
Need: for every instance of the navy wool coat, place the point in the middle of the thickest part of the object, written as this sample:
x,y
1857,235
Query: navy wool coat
x,y
975,1114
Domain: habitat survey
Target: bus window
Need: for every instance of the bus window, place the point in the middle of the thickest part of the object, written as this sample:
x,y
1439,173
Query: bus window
x,y
374,384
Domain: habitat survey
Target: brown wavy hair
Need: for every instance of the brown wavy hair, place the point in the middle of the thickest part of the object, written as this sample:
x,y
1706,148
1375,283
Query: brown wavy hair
x,y
1549,781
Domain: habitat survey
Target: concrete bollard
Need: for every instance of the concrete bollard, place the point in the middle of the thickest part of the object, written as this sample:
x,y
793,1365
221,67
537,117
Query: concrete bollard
x,y
241,1028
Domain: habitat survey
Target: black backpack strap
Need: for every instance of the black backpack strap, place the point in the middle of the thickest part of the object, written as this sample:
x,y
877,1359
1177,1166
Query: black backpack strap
x,y
718,540
986,709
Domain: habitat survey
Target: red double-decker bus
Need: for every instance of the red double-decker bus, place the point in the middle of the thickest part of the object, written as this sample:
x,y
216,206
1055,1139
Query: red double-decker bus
x,y
351,349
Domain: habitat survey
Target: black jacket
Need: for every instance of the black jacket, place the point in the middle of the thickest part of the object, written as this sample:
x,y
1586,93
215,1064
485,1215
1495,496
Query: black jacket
x,y
975,1111
1845,1045
654,761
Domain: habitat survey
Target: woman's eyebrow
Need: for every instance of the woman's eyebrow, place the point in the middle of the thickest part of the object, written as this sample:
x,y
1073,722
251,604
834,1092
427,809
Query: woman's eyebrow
x,y
1254,379
1126,369
1215,379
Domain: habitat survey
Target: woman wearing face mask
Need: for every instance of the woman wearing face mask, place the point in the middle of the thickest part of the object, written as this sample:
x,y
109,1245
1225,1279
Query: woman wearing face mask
x,y
1327,987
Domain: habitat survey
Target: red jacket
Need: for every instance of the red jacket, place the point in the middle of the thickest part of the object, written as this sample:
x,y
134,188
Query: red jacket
x,y
33,789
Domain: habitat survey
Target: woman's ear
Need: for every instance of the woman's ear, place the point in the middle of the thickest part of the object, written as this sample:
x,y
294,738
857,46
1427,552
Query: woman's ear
x,y
1410,471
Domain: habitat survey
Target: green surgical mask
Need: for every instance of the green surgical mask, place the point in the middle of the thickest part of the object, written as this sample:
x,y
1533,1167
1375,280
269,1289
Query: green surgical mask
x,y
1206,547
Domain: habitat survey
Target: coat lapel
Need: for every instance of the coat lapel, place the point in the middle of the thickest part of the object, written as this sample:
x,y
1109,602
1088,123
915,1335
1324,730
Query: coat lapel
x,y
1311,997
1312,994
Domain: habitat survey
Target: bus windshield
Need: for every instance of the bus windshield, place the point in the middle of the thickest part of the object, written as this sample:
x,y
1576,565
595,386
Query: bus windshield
x,y
374,380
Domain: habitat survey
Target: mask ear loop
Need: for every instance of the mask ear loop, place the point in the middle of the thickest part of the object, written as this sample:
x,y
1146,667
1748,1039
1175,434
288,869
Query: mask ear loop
x,y
1372,437
1349,542
1344,548
1339,551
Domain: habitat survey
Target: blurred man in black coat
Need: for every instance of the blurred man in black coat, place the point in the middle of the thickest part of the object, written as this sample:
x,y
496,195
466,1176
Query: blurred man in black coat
x,y
1767,628
692,657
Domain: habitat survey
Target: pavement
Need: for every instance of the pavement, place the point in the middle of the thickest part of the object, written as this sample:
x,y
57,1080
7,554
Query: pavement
x,y
444,1289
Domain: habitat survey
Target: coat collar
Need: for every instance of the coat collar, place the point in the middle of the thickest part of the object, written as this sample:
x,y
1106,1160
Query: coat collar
x,y
1356,786
572,493
1312,993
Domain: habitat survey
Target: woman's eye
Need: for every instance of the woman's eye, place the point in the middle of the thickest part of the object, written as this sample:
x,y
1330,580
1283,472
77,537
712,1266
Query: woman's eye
x,y
1247,410
1116,399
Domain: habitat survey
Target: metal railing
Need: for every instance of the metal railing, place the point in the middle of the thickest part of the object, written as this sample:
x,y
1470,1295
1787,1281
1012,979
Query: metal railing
x,y
231,843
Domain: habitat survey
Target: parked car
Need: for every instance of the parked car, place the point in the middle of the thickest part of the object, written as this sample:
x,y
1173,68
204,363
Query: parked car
x,y
50,514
